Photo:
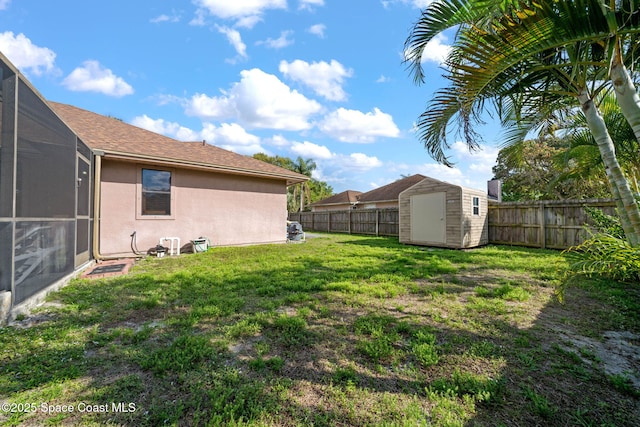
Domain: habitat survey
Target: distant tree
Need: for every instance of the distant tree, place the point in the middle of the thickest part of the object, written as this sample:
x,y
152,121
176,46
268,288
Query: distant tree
x,y
319,190
311,191
304,167
283,162
582,158
570,167
536,170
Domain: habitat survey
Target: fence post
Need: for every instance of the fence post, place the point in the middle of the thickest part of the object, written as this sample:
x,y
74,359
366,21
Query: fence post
x,y
349,218
543,226
377,222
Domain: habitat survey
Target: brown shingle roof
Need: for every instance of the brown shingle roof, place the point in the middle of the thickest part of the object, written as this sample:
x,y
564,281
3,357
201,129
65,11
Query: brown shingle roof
x,y
390,191
119,139
349,196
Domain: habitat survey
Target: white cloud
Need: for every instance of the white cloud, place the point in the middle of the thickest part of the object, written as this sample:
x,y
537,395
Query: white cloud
x,y
309,4
171,129
25,55
443,173
234,38
436,50
480,162
280,42
245,13
326,79
277,141
259,100
233,137
383,79
356,126
93,77
359,162
174,17
199,19
308,149
230,136
420,4
317,29
472,169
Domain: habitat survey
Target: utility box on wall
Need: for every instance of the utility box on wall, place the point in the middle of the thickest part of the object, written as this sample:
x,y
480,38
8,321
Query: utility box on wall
x,y
436,213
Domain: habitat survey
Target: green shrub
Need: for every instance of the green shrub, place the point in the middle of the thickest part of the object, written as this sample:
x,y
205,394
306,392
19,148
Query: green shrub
x,y
604,223
379,348
606,256
481,388
292,331
186,352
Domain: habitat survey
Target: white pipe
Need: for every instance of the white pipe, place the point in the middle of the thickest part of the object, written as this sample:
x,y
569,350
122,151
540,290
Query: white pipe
x,y
172,239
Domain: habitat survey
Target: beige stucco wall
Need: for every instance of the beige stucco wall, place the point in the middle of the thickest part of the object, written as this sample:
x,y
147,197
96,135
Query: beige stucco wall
x,y
463,229
228,209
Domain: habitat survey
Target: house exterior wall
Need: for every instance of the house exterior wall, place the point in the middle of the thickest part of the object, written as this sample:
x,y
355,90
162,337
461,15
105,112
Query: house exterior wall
x,y
227,209
463,229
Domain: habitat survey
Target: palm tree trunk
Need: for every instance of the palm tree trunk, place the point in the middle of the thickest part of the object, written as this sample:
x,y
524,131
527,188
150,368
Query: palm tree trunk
x,y
627,207
626,94
301,196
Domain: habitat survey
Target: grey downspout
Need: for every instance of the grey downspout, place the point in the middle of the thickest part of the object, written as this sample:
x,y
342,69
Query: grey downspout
x,y
96,205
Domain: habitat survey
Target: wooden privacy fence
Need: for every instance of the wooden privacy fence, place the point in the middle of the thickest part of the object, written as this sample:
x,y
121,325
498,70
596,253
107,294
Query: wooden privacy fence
x,y
377,222
541,224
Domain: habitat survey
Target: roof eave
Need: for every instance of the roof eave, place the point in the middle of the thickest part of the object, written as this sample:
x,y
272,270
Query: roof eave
x,y
290,179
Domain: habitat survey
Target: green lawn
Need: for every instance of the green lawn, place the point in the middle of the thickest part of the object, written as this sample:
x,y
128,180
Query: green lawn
x,y
340,330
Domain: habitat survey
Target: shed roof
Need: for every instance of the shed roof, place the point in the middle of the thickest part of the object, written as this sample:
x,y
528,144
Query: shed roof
x,y
349,196
390,192
121,140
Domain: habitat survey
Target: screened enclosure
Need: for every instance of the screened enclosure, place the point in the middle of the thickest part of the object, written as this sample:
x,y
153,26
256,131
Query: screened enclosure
x,y
45,192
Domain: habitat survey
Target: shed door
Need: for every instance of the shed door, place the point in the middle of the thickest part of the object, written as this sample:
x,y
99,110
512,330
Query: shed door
x,y
428,218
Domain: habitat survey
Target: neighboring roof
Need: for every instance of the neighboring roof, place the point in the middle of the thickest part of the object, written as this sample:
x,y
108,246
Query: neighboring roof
x,y
391,191
121,140
349,196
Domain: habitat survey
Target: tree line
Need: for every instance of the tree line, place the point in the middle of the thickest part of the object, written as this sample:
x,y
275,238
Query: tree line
x,y
300,196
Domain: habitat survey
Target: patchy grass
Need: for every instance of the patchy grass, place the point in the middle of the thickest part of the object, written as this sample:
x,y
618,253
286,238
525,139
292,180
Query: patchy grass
x,y
341,330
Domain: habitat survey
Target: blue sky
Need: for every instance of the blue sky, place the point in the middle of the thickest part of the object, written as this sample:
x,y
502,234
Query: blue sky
x,y
321,79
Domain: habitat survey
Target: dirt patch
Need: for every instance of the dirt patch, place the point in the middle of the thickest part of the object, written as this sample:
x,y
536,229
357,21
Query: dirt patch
x,y
617,352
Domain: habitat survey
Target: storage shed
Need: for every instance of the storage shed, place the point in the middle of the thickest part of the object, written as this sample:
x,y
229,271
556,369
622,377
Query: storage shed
x,y
437,213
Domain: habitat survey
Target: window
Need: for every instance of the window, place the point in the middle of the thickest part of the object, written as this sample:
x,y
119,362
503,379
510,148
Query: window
x,y
476,206
156,192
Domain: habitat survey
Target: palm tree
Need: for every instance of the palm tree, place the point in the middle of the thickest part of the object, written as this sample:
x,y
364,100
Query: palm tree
x,y
582,159
531,59
304,167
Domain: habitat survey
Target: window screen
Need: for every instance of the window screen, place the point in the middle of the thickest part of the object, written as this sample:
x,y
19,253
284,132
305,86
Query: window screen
x,y
7,114
156,192
6,247
43,255
46,164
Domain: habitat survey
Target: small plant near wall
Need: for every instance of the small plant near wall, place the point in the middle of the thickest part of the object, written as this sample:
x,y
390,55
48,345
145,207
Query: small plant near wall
x,y
606,254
